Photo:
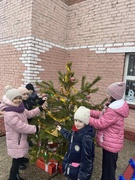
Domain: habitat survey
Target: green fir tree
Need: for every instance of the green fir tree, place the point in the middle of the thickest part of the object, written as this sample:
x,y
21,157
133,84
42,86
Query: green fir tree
x,y
61,106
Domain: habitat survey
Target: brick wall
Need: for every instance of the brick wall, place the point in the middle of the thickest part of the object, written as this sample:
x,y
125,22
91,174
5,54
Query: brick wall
x,y
71,2
30,28
100,22
41,36
49,21
11,69
53,61
15,19
108,66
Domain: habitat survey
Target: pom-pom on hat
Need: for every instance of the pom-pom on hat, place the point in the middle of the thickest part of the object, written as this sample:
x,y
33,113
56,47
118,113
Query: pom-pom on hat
x,y
30,86
13,93
116,90
82,114
7,88
23,90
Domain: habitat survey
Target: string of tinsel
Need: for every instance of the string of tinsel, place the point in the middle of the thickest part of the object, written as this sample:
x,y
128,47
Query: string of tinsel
x,y
132,163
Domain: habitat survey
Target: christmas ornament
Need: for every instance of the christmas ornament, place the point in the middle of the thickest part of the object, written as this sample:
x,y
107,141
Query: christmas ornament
x,y
75,108
55,133
72,79
88,97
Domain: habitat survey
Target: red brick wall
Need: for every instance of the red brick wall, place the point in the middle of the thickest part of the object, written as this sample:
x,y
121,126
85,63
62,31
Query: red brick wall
x,y
49,21
71,2
15,19
53,61
101,22
11,69
44,35
90,64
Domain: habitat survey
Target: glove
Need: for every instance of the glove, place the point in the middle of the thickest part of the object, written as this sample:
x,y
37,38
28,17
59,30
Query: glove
x,y
38,128
41,108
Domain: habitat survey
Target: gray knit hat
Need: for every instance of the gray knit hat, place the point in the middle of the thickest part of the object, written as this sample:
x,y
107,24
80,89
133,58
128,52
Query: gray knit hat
x,y
82,114
13,93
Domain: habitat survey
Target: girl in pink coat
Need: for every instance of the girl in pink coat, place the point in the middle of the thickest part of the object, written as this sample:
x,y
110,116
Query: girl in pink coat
x,y
110,128
17,128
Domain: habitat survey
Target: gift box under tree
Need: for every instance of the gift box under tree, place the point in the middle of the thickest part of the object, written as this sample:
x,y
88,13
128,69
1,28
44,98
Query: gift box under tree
x,y
50,167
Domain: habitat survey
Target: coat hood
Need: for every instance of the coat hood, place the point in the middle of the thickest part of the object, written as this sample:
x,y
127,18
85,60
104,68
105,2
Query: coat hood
x,y
121,107
87,129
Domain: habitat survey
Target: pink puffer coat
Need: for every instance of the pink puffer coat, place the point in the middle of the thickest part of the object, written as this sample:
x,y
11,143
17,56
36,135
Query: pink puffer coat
x,y
110,125
17,129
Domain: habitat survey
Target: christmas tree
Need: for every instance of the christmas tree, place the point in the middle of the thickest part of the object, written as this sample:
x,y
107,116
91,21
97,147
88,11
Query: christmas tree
x,y
61,105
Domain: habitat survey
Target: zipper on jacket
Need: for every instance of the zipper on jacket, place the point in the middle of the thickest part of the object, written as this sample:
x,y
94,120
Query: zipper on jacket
x,y
19,138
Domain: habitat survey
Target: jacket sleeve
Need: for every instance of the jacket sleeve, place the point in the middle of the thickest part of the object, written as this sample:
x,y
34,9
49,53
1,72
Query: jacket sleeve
x,y
32,113
95,113
87,158
105,120
65,133
19,126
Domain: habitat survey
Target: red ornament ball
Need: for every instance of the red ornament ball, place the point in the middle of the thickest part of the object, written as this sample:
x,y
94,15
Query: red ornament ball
x,y
88,97
72,79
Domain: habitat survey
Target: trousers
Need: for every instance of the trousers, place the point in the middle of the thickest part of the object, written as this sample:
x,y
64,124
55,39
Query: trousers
x,y
14,170
109,165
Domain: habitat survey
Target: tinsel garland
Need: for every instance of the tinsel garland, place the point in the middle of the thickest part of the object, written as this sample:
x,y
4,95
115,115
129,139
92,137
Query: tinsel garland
x,y
132,163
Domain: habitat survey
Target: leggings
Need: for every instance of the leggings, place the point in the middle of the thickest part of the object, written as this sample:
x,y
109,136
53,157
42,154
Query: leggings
x,y
15,168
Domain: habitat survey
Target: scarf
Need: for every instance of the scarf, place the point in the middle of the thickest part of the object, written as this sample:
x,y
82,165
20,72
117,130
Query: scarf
x,y
74,128
18,109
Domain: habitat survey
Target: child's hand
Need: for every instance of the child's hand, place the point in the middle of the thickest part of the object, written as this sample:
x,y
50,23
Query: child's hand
x,y
44,97
44,106
58,127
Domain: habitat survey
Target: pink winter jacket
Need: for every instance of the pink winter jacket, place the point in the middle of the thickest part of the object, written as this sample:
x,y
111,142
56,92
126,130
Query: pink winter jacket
x,y
17,129
110,125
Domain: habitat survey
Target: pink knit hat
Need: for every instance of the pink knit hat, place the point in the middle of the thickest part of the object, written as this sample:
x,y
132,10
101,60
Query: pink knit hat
x,y
23,90
116,90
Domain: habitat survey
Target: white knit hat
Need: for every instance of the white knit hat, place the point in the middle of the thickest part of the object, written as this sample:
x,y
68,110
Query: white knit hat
x,y
82,114
13,93
23,90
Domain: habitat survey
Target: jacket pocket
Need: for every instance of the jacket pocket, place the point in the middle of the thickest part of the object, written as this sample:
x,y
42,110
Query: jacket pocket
x,y
72,171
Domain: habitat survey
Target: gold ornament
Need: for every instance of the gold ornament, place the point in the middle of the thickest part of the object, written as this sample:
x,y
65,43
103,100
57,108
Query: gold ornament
x,y
74,89
56,119
55,133
68,69
66,78
75,108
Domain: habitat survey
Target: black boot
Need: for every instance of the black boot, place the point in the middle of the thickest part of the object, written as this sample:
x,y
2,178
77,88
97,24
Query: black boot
x,y
22,166
18,177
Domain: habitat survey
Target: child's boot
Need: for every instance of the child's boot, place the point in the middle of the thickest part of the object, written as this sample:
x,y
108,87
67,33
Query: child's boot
x,y
18,177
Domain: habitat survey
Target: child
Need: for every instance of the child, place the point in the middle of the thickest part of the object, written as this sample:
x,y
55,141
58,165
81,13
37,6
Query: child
x,y
28,105
25,97
17,128
110,128
33,97
78,161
